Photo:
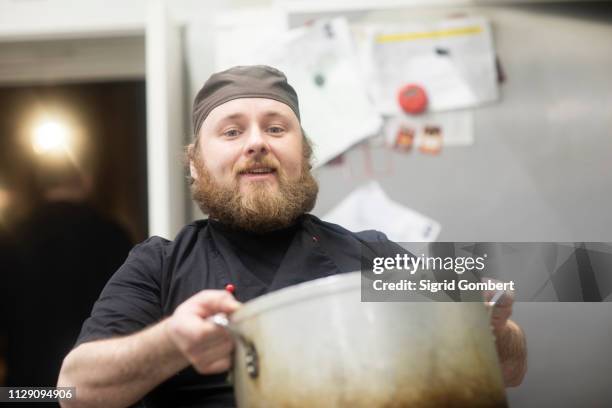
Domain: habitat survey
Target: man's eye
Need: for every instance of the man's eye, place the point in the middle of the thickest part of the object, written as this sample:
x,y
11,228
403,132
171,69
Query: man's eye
x,y
276,130
231,133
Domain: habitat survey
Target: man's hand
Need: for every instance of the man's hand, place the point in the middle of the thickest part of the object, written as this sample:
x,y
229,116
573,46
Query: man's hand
x,y
509,338
117,372
205,345
500,311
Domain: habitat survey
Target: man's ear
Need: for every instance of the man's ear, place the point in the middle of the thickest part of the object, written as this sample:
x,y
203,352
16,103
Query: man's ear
x,y
190,156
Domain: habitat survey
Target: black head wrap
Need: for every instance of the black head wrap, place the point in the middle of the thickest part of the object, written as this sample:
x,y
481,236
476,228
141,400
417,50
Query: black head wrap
x,y
255,81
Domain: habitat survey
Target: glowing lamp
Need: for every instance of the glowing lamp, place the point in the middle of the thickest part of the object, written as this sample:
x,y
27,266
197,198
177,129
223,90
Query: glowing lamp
x,y
50,137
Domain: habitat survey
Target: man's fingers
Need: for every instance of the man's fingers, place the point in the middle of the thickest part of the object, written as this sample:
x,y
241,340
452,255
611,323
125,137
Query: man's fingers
x,y
209,302
199,331
200,340
501,312
214,357
213,353
212,341
500,305
218,366
499,298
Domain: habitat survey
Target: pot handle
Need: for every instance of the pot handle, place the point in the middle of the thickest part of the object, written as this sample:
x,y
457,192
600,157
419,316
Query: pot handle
x,y
252,359
496,298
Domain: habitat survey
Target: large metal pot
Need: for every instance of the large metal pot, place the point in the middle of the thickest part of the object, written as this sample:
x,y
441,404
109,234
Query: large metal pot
x,y
317,345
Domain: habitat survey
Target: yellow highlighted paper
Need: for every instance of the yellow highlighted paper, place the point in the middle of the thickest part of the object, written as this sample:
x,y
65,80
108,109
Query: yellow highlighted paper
x,y
453,32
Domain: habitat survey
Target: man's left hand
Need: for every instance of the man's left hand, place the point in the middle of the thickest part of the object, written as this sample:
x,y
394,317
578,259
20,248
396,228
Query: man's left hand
x,y
501,311
509,338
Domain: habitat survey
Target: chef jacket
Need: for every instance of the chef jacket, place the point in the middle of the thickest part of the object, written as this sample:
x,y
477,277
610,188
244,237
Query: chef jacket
x,y
159,275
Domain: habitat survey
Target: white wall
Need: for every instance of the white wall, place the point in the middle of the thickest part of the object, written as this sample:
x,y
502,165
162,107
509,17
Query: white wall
x,y
48,19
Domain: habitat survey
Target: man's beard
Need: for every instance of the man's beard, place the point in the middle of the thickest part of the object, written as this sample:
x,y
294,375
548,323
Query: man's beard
x,y
258,210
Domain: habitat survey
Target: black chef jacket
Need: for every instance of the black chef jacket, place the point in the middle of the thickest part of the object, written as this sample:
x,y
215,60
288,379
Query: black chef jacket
x,y
159,275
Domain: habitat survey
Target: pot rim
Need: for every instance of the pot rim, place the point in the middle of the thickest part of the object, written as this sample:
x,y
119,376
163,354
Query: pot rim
x,y
300,292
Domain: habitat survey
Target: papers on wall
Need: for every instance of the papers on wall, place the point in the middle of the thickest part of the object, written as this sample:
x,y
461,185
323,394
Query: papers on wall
x,y
406,132
342,92
368,207
320,63
454,60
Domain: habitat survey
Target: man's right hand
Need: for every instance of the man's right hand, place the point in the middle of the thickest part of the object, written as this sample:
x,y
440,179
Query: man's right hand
x,y
205,345
119,371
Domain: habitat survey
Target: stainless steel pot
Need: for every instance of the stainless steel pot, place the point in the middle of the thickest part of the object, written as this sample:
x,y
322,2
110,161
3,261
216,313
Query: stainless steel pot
x,y
317,345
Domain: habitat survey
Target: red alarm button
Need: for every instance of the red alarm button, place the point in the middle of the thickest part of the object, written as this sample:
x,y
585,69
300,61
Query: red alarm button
x,y
412,98
230,288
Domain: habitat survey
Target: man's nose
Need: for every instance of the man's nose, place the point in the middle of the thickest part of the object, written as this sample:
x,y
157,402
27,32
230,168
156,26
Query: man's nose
x,y
256,143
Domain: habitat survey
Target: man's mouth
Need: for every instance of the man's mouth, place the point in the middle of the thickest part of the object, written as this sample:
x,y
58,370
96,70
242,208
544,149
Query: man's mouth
x,y
258,172
261,170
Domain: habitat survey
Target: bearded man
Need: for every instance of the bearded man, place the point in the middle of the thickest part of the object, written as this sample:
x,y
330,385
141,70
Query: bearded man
x,y
148,338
